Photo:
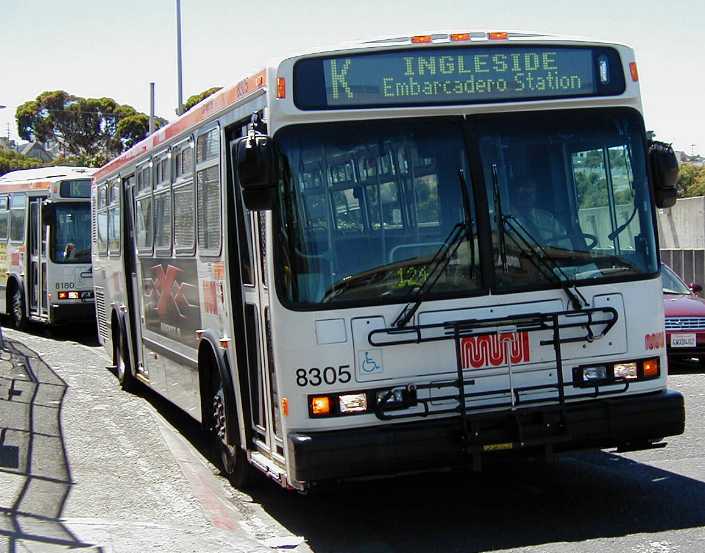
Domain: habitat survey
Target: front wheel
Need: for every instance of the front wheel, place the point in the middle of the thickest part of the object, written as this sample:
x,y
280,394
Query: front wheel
x,y
125,378
234,465
19,317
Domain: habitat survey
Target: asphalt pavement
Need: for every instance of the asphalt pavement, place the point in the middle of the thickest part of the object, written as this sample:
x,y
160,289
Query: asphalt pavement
x,y
85,466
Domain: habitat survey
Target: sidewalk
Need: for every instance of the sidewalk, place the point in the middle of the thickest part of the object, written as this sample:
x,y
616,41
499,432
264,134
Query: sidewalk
x,y
84,466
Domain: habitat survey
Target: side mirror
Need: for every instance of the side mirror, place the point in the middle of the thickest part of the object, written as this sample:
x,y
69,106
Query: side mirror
x,y
695,288
48,213
256,170
664,171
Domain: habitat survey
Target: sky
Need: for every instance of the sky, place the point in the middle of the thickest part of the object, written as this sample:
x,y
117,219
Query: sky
x,y
97,48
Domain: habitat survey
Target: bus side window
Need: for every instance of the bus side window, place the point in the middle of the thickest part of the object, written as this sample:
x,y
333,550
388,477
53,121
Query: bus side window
x,y
17,205
114,218
4,216
208,192
162,222
184,219
102,221
144,221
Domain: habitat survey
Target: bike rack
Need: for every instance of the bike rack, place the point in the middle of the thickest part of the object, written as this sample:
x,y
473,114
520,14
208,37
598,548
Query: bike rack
x,y
595,323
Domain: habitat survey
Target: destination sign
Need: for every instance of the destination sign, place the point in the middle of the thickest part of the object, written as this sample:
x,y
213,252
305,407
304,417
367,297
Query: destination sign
x,y
455,75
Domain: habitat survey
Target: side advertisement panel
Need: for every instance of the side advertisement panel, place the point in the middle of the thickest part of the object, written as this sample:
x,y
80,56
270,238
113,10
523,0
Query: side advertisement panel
x,y
171,302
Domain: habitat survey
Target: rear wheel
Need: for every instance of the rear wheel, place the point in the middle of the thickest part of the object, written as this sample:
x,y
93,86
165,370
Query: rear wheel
x,y
19,317
233,462
125,378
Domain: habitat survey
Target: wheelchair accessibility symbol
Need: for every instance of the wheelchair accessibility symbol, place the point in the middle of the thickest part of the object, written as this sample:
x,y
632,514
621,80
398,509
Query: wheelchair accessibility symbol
x,y
371,362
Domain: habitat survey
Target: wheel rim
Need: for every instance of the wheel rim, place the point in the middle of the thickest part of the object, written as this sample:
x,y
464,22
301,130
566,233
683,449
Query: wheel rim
x,y
119,363
220,431
17,309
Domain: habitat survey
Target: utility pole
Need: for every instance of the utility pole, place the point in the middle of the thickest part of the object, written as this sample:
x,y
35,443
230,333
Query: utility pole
x,y
180,107
151,108
692,149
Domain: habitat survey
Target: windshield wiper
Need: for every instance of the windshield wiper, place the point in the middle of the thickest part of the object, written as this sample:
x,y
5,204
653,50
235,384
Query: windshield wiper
x,y
442,257
543,262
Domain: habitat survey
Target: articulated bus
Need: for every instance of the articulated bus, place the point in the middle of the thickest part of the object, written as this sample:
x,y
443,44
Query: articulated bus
x,y
409,254
45,246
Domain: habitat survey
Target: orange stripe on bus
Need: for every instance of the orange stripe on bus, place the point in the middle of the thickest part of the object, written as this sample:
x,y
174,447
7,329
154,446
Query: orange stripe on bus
x,y
24,186
215,103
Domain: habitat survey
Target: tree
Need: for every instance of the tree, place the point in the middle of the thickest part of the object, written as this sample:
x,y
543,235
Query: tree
x,y
197,98
691,180
82,126
13,161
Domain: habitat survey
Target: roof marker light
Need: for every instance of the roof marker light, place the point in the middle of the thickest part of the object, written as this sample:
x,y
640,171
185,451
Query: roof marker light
x,y
456,37
421,39
498,35
634,71
281,88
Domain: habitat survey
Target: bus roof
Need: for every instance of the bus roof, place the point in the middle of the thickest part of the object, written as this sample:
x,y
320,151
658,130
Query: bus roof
x,y
200,113
41,178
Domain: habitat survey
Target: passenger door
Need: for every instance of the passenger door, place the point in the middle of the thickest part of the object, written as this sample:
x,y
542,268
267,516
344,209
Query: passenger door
x,y
250,298
37,245
134,308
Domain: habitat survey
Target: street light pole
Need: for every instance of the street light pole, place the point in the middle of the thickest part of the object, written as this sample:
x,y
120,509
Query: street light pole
x,y
180,108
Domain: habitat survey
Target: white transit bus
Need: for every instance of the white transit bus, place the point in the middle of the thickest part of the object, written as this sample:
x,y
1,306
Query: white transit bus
x,y
45,246
408,254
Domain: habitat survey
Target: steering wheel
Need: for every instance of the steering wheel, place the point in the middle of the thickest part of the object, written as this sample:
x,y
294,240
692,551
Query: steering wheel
x,y
590,239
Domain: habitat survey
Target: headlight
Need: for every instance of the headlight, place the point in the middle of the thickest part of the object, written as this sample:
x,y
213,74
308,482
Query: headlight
x,y
594,374
352,403
627,371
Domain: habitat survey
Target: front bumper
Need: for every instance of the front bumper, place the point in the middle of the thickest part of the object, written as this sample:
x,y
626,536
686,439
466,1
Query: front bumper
x,y
425,445
64,313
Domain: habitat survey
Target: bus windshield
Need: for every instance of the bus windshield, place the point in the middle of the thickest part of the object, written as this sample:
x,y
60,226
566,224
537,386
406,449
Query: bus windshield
x,y
364,206
71,233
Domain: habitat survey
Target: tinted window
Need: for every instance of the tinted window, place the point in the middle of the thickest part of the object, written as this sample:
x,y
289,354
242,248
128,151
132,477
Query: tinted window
x,y
208,146
162,221
144,224
184,227
209,210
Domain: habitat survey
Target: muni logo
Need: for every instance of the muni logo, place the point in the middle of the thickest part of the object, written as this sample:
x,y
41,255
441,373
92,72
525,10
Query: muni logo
x,y
490,351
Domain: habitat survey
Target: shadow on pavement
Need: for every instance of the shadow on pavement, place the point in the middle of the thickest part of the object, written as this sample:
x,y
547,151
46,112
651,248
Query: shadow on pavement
x,y
511,505
588,496
35,475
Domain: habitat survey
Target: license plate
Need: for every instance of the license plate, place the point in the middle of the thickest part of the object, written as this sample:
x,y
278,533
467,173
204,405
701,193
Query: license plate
x,y
682,340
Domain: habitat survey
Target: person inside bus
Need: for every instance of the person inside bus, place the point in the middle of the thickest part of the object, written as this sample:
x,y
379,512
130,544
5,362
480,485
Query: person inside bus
x,y
69,251
529,206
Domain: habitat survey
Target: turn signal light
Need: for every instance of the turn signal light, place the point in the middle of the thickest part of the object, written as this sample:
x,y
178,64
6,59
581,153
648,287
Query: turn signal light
x,y
634,71
650,368
63,295
285,407
281,88
320,405
421,39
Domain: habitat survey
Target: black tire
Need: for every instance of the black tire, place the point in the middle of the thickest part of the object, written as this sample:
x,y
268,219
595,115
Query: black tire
x,y
233,463
19,317
122,364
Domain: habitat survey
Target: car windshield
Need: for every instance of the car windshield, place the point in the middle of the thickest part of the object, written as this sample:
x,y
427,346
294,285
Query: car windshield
x,y
672,284
71,235
364,206
367,205
572,187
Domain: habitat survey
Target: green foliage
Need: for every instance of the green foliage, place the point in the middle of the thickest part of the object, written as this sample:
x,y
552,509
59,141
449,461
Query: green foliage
x,y
691,180
196,98
84,127
13,161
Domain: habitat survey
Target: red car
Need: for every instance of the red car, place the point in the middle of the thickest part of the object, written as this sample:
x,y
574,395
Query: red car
x,y
685,317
